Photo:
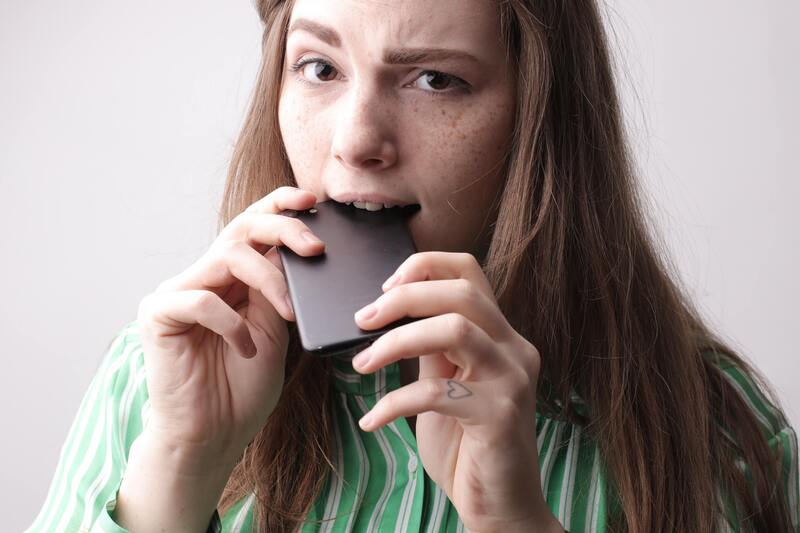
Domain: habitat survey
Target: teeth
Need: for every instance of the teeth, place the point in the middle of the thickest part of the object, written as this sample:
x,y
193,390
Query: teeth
x,y
369,206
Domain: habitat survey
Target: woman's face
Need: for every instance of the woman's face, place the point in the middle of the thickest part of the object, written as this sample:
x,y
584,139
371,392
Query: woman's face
x,y
408,101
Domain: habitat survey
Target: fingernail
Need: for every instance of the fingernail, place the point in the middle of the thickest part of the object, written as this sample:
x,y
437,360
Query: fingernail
x,y
365,421
310,237
361,360
367,312
389,283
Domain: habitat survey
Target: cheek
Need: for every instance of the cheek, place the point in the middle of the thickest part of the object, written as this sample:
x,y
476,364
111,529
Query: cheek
x,y
303,139
485,136
465,146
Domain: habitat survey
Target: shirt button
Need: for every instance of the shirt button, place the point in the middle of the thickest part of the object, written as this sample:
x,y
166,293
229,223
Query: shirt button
x,y
412,464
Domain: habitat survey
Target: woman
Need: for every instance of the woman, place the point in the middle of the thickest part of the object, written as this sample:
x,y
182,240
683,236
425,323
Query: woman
x,y
558,377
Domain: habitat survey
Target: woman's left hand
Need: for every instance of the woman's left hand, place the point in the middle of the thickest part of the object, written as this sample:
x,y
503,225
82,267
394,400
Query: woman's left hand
x,y
475,399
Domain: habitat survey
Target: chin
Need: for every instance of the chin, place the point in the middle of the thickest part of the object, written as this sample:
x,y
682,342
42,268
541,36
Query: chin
x,y
415,227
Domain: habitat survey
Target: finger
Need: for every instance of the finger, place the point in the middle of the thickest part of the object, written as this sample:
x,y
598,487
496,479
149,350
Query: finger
x,y
424,266
274,257
237,293
437,297
236,261
456,338
259,229
283,198
175,312
449,397
276,203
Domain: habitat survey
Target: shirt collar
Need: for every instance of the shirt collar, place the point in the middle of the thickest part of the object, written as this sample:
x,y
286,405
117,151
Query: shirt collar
x,y
347,380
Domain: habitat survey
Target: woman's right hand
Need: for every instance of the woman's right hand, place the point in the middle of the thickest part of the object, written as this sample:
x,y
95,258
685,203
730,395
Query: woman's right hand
x,y
211,390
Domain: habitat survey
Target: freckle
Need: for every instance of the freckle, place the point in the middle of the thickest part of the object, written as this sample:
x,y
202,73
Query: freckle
x,y
443,112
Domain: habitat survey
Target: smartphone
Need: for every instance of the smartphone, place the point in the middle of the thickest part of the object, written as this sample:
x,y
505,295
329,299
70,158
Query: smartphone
x,y
362,249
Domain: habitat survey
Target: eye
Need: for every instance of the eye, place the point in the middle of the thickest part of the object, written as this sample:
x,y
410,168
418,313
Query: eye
x,y
441,82
321,68
437,82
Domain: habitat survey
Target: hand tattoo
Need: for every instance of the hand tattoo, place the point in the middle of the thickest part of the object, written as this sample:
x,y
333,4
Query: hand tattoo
x,y
457,390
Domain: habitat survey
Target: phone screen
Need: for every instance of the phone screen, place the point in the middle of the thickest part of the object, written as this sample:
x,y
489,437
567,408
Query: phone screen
x,y
362,249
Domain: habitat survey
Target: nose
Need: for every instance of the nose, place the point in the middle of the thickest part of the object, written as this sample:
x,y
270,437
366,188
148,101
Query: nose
x,y
363,138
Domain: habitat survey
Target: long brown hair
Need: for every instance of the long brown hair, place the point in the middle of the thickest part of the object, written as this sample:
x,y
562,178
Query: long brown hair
x,y
572,243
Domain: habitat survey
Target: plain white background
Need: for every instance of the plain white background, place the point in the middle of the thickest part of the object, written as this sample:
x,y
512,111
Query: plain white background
x,y
116,127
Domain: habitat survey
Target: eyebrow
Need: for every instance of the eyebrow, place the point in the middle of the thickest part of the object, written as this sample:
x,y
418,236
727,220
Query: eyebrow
x,y
399,56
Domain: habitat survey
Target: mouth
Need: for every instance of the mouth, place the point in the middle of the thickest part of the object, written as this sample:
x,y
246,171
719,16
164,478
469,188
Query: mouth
x,y
407,212
375,202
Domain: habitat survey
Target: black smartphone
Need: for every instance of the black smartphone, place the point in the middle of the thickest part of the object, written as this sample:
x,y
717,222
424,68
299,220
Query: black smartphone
x,y
362,249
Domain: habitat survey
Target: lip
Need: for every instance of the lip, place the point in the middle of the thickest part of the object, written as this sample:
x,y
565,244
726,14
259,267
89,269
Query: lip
x,y
373,198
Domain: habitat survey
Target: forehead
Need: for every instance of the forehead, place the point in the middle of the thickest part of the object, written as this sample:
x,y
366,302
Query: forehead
x,y
472,24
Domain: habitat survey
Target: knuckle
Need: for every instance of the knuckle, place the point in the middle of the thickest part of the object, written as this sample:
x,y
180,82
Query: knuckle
x,y
217,263
529,374
507,407
398,293
240,220
247,226
535,359
531,361
419,263
234,227
415,261
205,300
229,246
521,384
465,289
468,260
460,327
433,390
221,248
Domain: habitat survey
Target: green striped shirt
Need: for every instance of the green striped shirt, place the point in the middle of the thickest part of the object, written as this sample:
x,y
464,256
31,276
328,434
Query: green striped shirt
x,y
382,485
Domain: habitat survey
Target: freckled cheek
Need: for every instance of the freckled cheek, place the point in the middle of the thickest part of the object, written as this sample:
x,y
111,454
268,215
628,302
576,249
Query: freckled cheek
x,y
469,147
305,139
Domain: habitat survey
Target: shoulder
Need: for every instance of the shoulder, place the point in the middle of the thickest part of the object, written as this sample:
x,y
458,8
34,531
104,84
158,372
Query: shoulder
x,y
122,342
125,337
123,360
752,388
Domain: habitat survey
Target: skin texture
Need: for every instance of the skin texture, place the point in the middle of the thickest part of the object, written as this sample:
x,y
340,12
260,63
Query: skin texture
x,y
400,130
352,123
